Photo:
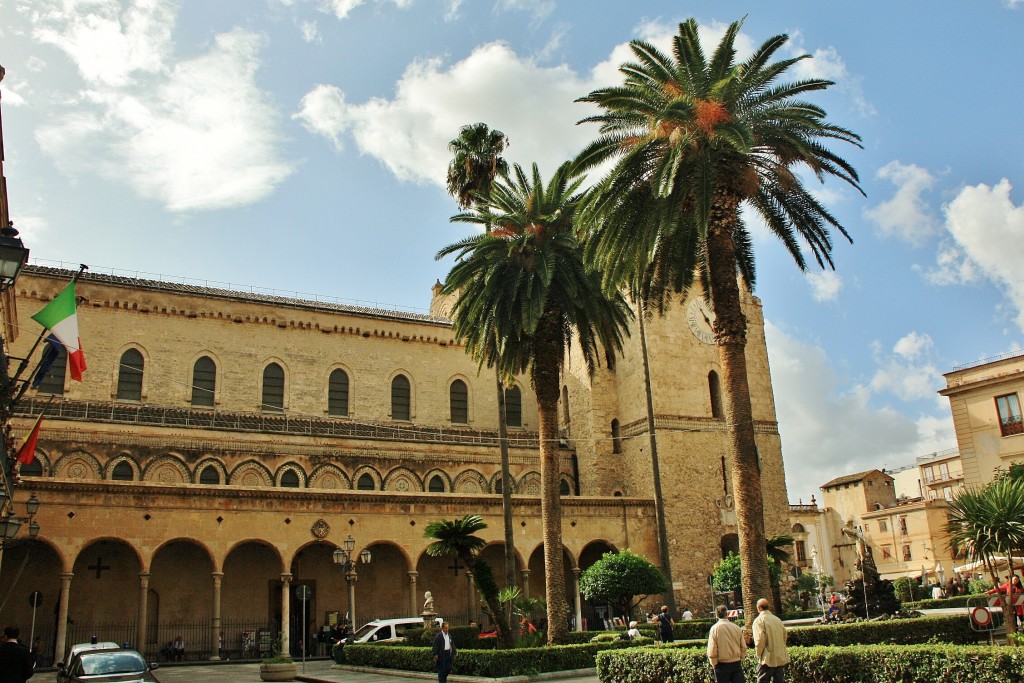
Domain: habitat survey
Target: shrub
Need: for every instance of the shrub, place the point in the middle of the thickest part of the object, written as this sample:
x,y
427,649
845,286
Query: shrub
x,y
955,601
952,628
483,663
857,664
907,589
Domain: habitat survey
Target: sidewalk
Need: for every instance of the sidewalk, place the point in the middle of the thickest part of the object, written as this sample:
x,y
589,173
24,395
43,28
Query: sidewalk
x,y
324,671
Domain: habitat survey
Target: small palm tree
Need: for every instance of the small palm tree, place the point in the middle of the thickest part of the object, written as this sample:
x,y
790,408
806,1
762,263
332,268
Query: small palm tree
x,y
693,139
986,523
524,295
458,537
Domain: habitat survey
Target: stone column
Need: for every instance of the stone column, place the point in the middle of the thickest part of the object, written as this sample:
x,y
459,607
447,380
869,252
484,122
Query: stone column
x,y
62,616
471,594
351,578
414,607
143,615
215,617
526,583
576,598
286,613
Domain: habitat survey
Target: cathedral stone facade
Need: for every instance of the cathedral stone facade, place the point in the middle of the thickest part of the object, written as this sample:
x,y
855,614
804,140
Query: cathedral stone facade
x,y
224,444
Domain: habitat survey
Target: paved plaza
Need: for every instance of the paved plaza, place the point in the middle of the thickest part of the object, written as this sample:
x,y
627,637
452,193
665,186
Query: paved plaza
x,y
324,671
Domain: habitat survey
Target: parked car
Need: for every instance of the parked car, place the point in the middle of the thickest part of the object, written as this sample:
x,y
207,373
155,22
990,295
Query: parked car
x,y
381,630
103,666
62,666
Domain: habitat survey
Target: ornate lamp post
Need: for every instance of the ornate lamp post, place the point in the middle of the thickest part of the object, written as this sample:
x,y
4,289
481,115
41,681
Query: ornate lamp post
x,y
345,559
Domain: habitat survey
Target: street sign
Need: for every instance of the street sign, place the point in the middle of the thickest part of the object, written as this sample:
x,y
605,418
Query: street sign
x,y
303,592
35,599
981,617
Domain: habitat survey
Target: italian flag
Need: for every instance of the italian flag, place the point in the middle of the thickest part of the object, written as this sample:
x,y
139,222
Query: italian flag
x,y
60,316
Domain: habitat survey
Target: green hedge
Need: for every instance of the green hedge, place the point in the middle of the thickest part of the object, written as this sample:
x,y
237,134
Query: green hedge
x,y
857,664
952,628
465,637
483,663
955,601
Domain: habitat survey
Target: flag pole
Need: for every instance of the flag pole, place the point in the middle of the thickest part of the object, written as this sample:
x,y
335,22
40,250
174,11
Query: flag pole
x,y
42,335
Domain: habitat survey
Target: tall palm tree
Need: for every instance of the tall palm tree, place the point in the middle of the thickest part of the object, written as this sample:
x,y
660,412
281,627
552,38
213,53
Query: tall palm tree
x,y
458,537
523,295
986,523
476,161
693,140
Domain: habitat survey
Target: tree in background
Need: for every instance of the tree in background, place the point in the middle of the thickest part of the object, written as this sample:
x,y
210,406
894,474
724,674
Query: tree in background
x,y
728,576
695,140
458,537
622,579
523,297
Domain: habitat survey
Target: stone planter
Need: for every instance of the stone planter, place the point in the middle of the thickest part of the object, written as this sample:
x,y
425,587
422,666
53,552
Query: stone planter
x,y
285,671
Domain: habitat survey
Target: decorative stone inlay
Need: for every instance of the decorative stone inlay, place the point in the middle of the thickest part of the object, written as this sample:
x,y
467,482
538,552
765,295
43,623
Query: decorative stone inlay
x,y
320,529
251,479
78,470
402,484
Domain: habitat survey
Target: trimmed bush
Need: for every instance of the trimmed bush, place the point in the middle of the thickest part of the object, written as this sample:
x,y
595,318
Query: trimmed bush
x,y
955,601
953,628
484,663
857,664
464,637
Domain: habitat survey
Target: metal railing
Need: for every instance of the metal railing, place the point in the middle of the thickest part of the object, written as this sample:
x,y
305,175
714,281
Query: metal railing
x,y
990,359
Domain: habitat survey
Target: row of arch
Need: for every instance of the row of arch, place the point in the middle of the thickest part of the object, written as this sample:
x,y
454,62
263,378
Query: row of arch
x,y
171,469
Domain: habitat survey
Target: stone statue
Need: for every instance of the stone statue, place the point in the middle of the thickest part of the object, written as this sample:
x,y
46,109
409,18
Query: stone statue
x,y
428,603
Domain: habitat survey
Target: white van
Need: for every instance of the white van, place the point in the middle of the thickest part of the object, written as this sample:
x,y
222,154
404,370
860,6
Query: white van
x,y
383,630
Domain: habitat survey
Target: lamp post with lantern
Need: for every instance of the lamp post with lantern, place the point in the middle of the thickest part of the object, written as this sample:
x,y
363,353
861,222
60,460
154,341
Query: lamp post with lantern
x,y
345,559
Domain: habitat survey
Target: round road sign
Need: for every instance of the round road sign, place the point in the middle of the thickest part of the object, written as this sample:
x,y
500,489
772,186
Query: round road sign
x,y
981,616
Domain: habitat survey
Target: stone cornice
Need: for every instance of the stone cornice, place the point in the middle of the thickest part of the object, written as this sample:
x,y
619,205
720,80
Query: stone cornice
x,y
690,423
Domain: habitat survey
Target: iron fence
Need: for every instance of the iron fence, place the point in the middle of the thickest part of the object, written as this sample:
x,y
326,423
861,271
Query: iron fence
x,y
239,638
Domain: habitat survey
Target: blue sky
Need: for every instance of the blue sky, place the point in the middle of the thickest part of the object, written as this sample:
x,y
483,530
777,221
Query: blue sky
x,y
300,145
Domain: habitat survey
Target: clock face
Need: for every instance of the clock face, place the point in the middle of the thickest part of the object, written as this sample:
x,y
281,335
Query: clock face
x,y
701,320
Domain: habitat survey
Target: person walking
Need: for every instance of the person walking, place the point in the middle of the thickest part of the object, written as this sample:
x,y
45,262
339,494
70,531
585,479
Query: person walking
x,y
665,624
726,648
770,644
444,653
16,663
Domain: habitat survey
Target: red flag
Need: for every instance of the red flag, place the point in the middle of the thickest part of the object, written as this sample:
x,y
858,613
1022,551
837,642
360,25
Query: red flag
x,y
27,452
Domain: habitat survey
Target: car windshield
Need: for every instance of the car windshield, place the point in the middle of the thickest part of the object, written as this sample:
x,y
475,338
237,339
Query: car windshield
x,y
367,628
112,663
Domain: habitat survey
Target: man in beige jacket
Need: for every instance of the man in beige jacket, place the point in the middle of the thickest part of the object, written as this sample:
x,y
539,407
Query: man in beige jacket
x,y
770,645
726,647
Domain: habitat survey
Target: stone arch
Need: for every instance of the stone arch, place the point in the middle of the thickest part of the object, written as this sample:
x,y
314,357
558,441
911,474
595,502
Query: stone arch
x,y
251,473
458,377
412,393
529,484
330,477
116,369
189,380
167,469
730,543
798,528
566,487
41,467
185,539
445,479
403,480
78,464
493,486
123,458
290,467
366,470
350,393
286,373
201,466
470,481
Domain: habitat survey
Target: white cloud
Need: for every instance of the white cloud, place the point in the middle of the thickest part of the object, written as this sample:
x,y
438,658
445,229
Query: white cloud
x,y
827,432
197,135
908,373
826,63
825,285
310,33
1013,4
988,231
540,9
905,216
532,104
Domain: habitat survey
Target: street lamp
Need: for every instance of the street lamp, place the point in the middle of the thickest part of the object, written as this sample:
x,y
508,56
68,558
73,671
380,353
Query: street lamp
x,y
13,255
345,560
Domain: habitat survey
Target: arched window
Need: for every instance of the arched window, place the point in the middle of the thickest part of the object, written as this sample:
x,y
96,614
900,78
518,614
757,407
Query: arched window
x,y
563,488
715,389
129,376
290,479
499,485
400,395
436,484
337,393
798,528
616,439
52,381
209,476
458,396
513,407
123,472
365,483
273,388
33,469
204,382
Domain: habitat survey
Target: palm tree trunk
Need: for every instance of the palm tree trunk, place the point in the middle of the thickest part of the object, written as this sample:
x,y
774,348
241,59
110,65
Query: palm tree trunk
x,y
659,500
490,597
546,387
731,336
506,492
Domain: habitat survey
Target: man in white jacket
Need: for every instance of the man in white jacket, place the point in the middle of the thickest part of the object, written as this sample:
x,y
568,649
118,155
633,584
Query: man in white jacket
x,y
770,645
